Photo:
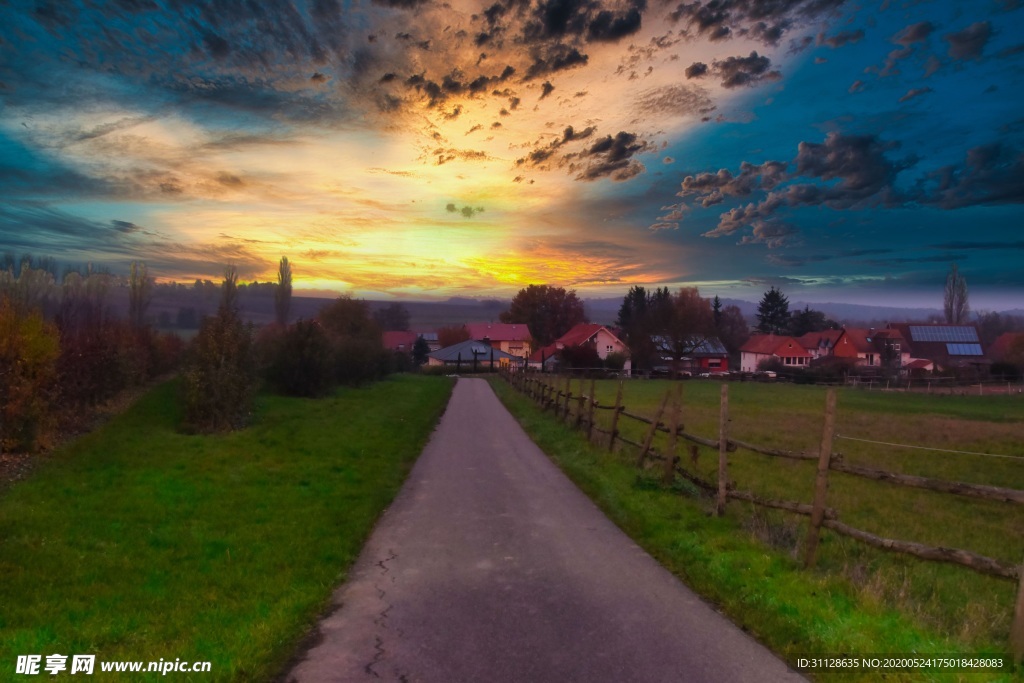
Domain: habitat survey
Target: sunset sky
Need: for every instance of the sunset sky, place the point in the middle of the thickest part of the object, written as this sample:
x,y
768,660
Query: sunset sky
x,y
417,149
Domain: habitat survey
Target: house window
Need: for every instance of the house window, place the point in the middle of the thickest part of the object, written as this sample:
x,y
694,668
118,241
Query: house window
x,y
789,361
871,359
714,363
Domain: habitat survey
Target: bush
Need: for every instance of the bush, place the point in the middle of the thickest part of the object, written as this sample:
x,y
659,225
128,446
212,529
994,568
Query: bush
x,y
616,361
298,360
219,379
29,348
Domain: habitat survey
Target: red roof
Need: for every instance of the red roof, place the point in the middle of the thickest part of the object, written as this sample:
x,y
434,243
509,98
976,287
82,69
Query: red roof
x,y
815,340
399,341
580,333
774,345
545,353
499,331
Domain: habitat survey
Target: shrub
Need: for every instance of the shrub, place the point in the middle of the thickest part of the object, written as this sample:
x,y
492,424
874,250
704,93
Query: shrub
x,y
298,360
616,361
219,379
29,348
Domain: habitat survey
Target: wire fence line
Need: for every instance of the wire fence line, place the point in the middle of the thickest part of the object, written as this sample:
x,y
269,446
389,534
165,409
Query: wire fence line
x,y
928,448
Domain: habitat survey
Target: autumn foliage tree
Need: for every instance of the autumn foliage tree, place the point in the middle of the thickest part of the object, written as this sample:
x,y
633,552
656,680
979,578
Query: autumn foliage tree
x,y
549,312
29,348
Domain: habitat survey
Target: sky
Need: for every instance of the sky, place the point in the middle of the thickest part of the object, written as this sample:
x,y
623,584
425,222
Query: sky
x,y
418,149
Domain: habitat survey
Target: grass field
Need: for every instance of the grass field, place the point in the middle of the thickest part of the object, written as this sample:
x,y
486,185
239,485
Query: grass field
x,y
866,600
138,542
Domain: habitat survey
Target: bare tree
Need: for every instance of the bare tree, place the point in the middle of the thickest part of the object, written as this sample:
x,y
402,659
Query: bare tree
x,y
283,295
140,291
955,304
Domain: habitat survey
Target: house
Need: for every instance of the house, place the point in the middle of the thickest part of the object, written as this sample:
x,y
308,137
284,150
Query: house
x,y
602,339
761,347
512,338
471,355
946,346
872,348
705,355
820,344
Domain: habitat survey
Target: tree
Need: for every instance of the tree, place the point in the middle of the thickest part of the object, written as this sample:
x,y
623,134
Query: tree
x,y
955,305
392,318
549,312
810,320
716,309
140,293
452,335
773,313
219,379
420,349
283,292
688,323
732,329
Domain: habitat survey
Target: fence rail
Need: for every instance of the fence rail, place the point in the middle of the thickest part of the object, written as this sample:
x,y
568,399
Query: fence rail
x,y
556,393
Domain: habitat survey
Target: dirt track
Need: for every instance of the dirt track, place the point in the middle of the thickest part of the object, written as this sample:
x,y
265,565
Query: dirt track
x,y
492,566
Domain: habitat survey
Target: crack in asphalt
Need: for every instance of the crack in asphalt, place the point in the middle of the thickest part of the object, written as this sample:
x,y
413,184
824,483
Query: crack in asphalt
x,y
381,619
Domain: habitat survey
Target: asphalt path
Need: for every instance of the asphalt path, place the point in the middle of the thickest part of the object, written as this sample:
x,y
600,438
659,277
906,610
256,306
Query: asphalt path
x,y
492,566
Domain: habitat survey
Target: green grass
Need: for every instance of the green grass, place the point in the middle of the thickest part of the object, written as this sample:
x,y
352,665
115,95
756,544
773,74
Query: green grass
x,y
858,599
138,542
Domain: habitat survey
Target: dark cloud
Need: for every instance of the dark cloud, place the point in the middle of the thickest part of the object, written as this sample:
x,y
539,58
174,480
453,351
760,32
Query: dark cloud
x,y
696,70
554,58
1017,245
318,78
841,38
609,26
737,72
969,43
915,92
542,154
773,234
675,100
713,188
466,211
915,33
856,86
611,157
443,155
851,170
990,174
125,226
546,89
401,4
763,21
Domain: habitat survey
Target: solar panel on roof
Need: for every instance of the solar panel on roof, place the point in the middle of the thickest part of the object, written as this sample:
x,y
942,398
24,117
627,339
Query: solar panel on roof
x,y
963,349
943,333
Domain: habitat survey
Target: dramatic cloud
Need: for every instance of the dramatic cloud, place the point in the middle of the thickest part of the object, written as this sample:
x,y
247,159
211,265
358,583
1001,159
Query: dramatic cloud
x,y
765,22
696,70
675,100
841,38
990,174
611,157
915,92
737,72
969,43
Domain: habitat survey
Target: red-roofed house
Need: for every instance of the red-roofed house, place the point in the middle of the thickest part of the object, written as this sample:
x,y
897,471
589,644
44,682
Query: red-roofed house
x,y
946,346
872,347
600,337
399,341
512,338
820,344
761,347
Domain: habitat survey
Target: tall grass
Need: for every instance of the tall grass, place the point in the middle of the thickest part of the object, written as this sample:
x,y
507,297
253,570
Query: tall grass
x,y
138,542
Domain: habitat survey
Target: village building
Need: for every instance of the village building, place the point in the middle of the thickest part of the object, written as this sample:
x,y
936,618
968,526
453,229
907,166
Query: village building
x,y
761,347
511,338
470,356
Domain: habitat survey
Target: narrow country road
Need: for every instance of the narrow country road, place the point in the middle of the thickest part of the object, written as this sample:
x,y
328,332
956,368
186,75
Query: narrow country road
x,y
492,566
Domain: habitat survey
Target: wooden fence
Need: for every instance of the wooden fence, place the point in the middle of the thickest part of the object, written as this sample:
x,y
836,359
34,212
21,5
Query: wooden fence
x,y
555,394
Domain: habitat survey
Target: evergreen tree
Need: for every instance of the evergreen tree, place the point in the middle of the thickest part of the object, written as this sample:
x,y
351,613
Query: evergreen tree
x,y
420,350
773,313
283,293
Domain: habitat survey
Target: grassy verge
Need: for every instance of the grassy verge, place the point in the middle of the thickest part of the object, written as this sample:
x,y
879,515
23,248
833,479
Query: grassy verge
x,y
137,542
746,561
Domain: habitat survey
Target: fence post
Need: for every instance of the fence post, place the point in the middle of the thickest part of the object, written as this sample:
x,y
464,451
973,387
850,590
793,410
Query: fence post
x,y
723,451
821,481
568,397
669,474
579,405
649,439
615,418
1017,628
590,412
